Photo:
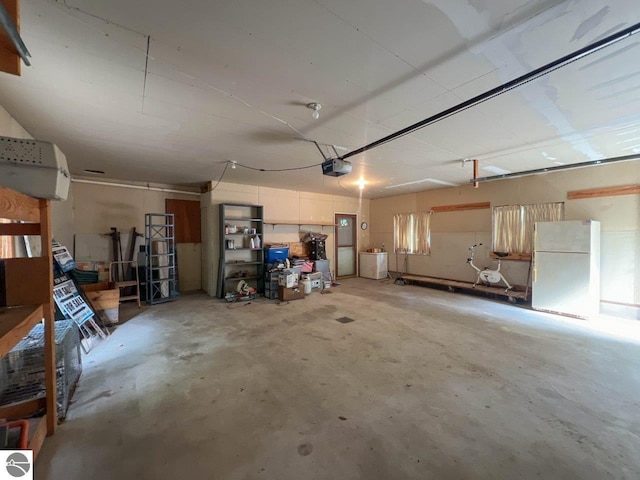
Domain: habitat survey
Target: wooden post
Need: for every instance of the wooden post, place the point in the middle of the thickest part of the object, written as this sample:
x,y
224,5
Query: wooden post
x,y
10,61
49,327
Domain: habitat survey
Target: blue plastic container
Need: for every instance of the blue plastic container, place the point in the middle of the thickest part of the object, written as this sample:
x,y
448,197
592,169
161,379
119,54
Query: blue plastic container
x,y
276,254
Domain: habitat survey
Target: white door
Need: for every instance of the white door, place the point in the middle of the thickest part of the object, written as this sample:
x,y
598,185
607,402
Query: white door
x,y
346,244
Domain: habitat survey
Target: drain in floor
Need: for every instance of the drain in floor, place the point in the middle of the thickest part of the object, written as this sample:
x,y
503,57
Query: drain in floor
x,y
344,320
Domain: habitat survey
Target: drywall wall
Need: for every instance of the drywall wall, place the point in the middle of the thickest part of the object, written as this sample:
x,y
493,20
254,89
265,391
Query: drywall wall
x,y
9,126
279,206
97,208
452,233
94,209
189,266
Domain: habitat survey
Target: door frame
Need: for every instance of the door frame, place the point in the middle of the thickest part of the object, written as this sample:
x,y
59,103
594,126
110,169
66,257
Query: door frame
x,y
355,242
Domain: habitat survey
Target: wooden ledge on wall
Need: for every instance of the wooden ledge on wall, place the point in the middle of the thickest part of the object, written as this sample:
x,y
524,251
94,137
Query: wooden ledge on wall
x,y
604,192
461,207
523,257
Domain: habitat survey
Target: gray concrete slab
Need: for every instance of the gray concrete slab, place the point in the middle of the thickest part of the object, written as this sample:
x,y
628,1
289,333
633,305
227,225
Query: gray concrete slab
x,y
423,384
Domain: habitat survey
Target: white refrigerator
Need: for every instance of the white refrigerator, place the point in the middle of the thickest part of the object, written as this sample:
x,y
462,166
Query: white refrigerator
x,y
566,268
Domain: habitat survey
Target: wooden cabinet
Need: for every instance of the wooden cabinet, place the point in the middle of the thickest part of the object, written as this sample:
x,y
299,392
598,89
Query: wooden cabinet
x,y
241,241
16,322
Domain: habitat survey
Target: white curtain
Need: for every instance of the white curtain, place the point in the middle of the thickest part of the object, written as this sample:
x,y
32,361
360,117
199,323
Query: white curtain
x,y
513,225
402,232
411,233
539,212
507,228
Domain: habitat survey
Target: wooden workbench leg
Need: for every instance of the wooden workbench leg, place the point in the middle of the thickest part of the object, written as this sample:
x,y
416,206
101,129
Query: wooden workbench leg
x,y
49,327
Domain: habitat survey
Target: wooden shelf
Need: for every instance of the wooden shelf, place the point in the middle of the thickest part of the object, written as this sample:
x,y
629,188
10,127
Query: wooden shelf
x,y
24,409
240,278
15,229
240,219
461,207
604,192
16,323
300,224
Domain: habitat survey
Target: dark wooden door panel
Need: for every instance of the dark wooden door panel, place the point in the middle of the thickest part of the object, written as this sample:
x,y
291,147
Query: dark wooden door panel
x,y
186,217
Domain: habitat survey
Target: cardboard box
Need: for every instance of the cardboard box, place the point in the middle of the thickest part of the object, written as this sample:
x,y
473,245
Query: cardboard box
x,y
298,249
286,294
288,279
24,281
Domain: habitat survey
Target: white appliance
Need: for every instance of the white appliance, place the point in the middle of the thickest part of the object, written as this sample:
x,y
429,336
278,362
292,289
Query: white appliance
x,y
373,265
34,168
566,268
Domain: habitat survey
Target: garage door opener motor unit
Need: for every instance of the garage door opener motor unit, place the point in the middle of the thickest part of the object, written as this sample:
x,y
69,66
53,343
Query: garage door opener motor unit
x,y
336,167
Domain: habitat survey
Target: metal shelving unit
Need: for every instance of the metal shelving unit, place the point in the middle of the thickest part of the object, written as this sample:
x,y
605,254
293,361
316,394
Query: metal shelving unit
x,y
160,251
233,260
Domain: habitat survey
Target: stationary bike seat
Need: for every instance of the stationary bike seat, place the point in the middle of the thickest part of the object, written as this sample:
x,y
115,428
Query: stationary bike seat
x,y
501,254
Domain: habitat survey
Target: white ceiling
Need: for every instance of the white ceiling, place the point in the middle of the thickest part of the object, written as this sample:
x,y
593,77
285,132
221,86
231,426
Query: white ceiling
x,y
229,80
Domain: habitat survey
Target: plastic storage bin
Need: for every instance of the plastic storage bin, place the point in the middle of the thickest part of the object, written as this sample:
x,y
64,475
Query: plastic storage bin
x,y
275,254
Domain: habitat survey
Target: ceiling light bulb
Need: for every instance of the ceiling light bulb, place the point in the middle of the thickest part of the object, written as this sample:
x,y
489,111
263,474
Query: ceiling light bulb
x,y
316,109
233,165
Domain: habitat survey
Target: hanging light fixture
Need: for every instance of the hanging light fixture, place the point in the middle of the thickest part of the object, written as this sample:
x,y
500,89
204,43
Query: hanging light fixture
x,y
316,109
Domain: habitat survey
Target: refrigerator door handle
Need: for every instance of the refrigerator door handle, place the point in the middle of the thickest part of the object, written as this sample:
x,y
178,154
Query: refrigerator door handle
x,y
534,270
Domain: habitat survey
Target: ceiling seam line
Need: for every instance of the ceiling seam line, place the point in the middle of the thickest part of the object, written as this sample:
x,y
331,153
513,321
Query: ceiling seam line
x,y
146,71
503,88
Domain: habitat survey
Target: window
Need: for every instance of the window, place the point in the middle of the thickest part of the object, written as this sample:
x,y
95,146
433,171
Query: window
x,y
411,233
513,225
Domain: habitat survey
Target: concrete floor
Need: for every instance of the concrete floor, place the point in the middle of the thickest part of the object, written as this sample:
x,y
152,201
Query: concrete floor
x,y
424,384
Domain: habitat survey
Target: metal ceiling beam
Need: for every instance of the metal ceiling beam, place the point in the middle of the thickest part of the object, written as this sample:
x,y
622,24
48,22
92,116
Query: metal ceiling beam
x,y
505,87
539,171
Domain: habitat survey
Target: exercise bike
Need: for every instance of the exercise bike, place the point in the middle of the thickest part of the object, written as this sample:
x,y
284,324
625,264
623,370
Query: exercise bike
x,y
487,276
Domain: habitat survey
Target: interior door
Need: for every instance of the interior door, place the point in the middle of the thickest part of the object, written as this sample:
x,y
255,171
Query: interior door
x,y
346,244
186,217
